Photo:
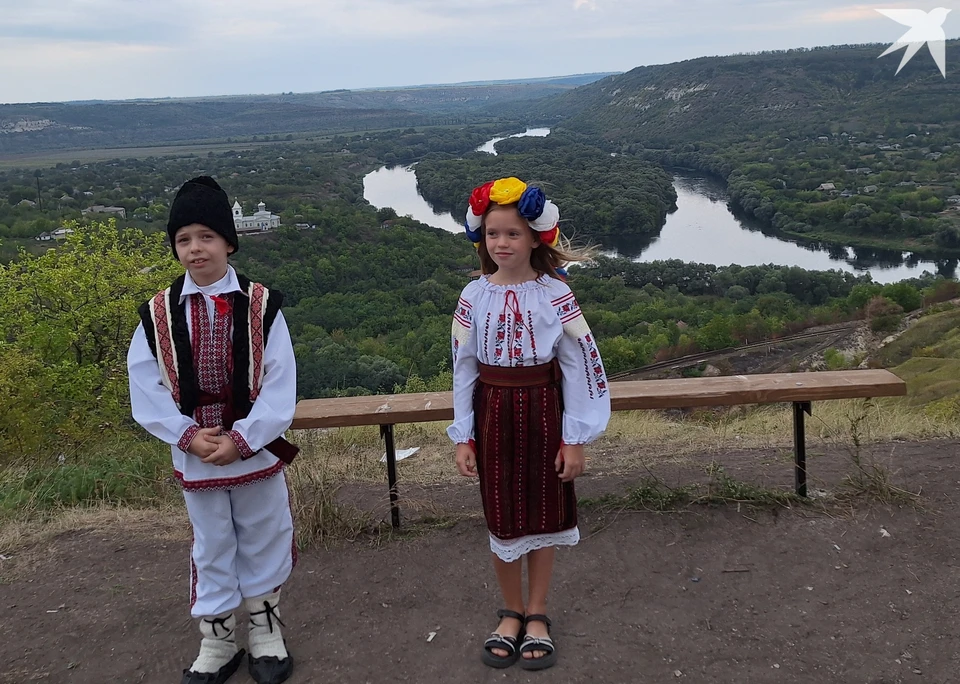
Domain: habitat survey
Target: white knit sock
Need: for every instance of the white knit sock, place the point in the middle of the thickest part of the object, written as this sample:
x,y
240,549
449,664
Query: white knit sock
x,y
265,638
219,643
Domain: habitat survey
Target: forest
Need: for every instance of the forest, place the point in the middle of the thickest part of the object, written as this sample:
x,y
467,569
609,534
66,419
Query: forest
x,y
601,194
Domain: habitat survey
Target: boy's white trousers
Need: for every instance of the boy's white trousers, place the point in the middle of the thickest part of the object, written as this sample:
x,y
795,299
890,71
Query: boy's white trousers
x,y
243,544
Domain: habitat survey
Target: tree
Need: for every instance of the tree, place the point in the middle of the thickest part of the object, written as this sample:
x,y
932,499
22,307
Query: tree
x,y
73,310
904,294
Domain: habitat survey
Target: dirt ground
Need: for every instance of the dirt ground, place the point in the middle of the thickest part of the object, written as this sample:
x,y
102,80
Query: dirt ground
x,y
721,593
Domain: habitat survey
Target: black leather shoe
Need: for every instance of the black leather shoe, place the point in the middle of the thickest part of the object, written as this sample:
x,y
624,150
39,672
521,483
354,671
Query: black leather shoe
x,y
270,669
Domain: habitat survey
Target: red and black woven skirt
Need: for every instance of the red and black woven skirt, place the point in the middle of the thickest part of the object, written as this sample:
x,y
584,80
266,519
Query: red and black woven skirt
x,y
519,421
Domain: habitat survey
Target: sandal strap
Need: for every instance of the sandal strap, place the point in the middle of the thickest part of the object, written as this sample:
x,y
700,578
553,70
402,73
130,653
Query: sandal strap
x,y
539,618
504,613
507,643
531,643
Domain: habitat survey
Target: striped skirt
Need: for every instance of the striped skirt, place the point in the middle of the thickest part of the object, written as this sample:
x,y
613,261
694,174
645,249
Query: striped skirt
x,y
519,414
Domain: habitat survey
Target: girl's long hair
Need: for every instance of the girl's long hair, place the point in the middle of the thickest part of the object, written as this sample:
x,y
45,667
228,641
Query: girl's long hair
x,y
544,259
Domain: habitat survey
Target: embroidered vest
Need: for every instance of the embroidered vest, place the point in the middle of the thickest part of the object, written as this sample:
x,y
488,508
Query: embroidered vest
x,y
254,311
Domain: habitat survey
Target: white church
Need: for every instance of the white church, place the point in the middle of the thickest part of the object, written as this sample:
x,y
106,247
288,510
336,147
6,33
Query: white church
x,y
261,221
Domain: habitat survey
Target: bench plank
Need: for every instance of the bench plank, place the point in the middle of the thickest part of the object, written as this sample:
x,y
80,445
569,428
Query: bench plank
x,y
426,407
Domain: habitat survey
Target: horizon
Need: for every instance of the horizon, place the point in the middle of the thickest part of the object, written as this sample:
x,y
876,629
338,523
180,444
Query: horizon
x,y
110,51
458,84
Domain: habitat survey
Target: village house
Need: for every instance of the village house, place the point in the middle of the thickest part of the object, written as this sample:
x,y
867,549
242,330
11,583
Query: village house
x,y
869,189
26,203
827,186
953,199
261,221
100,209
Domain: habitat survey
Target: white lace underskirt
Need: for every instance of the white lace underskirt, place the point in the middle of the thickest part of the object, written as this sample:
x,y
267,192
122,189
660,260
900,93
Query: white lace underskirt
x,y
509,550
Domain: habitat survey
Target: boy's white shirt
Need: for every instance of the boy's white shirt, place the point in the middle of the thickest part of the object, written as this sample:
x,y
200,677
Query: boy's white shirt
x,y
270,416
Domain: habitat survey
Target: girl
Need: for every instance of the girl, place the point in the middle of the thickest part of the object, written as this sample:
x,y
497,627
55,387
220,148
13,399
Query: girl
x,y
529,391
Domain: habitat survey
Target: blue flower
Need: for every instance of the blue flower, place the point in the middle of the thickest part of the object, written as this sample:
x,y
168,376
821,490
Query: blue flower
x,y
472,235
531,203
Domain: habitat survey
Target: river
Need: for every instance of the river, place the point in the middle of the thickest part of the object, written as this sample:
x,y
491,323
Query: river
x,y
703,229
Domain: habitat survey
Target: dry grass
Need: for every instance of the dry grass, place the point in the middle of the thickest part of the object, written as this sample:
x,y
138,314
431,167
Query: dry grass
x,y
353,454
334,459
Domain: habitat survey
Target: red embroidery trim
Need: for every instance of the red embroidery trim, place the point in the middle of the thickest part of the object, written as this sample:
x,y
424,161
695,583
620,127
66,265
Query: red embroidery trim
x,y
212,354
241,444
257,298
162,333
228,482
187,437
193,577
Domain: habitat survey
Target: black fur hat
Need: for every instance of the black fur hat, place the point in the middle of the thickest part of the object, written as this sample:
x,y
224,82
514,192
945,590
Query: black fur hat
x,y
202,200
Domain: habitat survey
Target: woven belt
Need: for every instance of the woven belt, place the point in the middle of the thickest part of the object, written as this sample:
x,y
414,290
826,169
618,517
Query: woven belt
x,y
520,376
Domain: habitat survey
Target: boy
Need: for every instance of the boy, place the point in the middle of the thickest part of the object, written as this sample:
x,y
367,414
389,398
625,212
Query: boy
x,y
212,373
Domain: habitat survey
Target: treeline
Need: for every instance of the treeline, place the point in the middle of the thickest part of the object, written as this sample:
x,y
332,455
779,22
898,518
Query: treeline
x,y
291,177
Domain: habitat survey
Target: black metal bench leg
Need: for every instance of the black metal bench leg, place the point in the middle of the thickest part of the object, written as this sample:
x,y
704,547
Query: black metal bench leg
x,y
800,446
386,431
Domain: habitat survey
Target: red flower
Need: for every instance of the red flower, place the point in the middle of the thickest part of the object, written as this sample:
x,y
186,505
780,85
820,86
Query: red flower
x,y
480,198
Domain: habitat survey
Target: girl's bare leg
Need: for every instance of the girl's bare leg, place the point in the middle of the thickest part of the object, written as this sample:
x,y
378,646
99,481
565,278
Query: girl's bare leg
x,y
539,574
510,578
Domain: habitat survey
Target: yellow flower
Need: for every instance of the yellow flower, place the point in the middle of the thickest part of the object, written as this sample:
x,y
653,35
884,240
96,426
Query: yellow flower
x,y
507,190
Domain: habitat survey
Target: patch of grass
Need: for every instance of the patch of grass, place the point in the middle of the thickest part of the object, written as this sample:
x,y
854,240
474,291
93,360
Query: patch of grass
x,y
114,473
413,529
319,518
721,488
868,478
929,331
653,495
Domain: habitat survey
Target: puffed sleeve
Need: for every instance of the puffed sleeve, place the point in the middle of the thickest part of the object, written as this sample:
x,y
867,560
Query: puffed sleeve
x,y
466,369
586,394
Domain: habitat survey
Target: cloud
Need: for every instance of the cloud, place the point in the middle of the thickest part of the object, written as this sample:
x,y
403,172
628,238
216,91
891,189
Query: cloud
x,y
850,13
142,48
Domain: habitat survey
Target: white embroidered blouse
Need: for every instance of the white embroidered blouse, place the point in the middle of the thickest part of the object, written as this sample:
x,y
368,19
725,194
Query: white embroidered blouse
x,y
523,325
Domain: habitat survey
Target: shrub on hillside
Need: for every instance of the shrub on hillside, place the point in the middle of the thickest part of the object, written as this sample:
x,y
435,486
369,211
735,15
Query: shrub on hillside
x,y
884,314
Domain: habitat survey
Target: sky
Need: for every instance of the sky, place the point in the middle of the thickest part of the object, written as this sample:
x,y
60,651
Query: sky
x,y
60,50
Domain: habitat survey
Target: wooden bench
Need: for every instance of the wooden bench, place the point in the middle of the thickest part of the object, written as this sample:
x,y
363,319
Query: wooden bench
x,y
799,389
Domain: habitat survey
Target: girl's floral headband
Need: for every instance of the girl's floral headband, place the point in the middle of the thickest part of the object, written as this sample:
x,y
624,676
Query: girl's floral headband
x,y
540,213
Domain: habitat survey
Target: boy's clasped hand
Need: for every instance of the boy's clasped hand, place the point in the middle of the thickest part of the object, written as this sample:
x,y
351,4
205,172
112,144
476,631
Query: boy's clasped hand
x,y
211,446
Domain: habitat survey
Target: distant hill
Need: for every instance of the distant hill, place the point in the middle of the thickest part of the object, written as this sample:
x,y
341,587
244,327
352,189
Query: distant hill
x,y
49,126
805,91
